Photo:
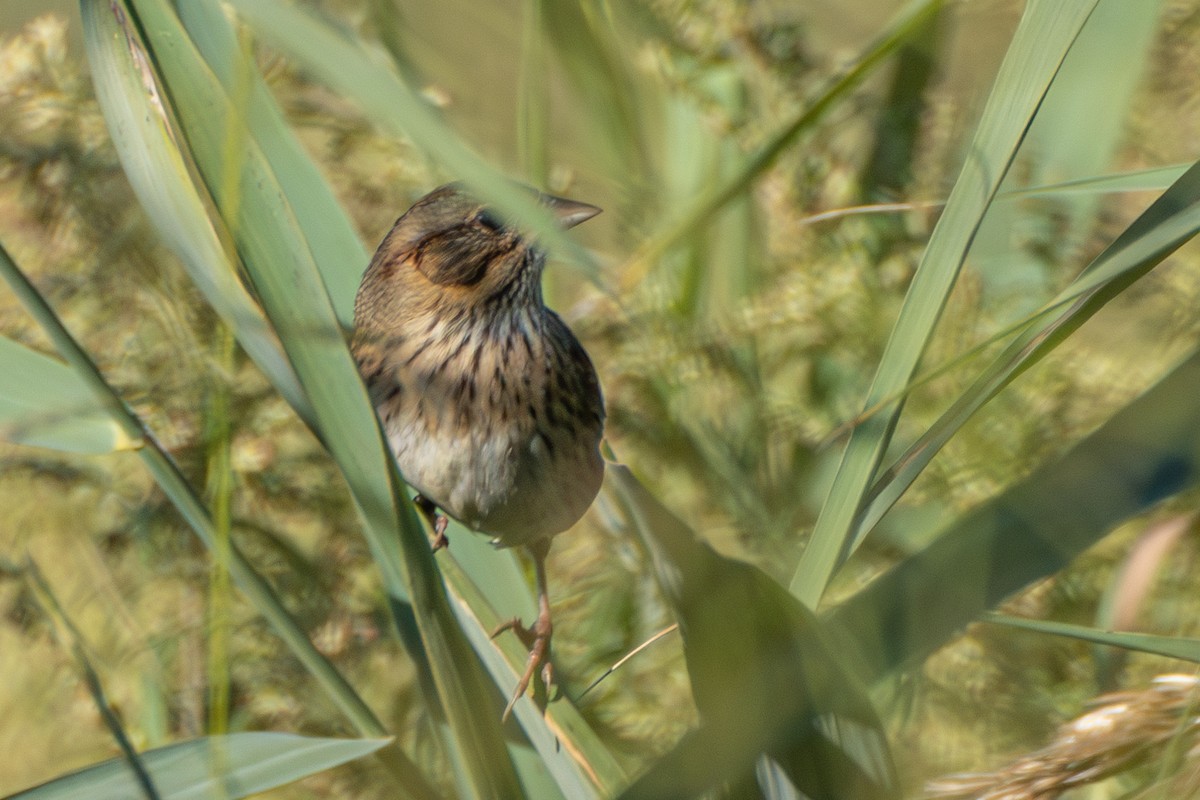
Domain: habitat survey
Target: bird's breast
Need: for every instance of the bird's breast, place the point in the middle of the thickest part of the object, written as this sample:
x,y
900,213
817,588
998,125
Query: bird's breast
x,y
496,424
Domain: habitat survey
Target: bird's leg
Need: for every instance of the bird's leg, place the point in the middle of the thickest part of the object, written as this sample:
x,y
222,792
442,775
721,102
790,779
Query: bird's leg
x,y
537,638
436,521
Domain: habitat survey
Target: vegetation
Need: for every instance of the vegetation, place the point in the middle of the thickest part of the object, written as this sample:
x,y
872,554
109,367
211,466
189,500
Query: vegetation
x,y
895,316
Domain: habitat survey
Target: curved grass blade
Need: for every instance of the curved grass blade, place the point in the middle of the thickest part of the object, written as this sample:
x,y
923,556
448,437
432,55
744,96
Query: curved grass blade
x,y
1169,646
1045,33
254,762
1164,227
280,264
149,145
1140,180
172,482
1148,451
44,403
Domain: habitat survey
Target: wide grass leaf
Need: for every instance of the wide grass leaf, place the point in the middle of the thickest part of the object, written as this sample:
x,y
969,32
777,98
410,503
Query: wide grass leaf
x,y
233,766
571,753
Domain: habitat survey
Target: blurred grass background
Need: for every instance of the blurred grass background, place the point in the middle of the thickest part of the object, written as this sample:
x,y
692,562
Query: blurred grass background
x,y
729,370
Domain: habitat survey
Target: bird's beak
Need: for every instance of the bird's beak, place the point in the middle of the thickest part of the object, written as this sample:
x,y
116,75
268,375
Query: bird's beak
x,y
569,212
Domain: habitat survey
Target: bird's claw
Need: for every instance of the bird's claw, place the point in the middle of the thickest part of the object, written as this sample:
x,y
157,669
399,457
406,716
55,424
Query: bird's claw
x,y
436,520
537,641
440,539
526,635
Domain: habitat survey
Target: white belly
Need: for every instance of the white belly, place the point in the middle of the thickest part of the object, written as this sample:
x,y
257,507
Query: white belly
x,y
515,487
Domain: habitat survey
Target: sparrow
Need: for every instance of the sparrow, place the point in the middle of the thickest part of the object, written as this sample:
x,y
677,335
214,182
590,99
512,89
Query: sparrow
x,y
490,404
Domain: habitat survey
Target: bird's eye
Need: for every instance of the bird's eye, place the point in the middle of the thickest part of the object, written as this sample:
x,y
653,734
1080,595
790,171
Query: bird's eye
x,y
489,220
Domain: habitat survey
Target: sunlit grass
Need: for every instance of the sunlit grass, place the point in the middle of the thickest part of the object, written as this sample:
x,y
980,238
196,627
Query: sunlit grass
x,y
732,361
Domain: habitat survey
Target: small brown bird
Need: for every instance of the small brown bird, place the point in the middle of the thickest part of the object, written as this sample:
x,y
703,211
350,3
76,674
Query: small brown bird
x,y
490,404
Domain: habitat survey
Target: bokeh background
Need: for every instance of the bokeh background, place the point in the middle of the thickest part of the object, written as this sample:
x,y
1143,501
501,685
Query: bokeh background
x,y
734,361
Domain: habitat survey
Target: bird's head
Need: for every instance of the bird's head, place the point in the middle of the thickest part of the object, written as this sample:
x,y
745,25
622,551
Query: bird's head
x,y
451,248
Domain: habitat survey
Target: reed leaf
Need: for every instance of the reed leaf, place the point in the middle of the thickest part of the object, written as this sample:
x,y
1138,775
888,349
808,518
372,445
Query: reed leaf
x,y
254,763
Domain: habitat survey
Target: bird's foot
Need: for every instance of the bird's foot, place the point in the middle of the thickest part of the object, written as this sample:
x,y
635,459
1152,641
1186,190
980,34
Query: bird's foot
x,y
436,520
537,640
440,539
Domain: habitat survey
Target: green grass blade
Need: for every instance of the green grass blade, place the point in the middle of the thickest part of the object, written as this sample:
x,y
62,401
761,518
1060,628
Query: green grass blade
x,y
1141,180
218,491
281,266
497,574
570,750
1169,646
1165,226
1148,451
1045,33
254,762
697,158
49,406
896,134
389,24
533,100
